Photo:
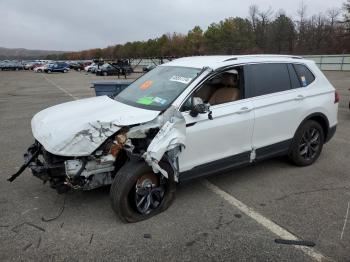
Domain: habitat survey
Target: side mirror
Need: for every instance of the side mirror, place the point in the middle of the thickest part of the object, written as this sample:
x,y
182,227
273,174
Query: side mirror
x,y
199,109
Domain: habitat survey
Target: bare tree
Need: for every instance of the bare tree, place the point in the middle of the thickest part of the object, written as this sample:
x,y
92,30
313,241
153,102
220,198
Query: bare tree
x,y
332,15
253,15
265,16
302,15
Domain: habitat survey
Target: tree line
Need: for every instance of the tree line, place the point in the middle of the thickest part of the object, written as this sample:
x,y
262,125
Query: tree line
x,y
263,31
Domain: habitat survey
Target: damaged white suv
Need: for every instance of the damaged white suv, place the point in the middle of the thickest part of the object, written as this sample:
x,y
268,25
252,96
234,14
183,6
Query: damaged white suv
x,y
188,118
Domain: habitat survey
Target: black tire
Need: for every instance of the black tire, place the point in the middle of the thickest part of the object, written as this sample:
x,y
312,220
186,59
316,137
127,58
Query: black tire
x,y
105,73
307,144
123,191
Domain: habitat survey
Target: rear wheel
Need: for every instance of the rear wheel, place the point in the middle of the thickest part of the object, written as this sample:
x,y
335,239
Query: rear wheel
x,y
49,71
307,144
137,193
105,73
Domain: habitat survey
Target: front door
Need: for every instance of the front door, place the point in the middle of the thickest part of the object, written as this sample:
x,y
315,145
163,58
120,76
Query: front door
x,y
226,138
228,134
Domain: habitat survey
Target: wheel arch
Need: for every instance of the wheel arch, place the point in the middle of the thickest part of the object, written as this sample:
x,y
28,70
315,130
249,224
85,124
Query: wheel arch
x,y
319,118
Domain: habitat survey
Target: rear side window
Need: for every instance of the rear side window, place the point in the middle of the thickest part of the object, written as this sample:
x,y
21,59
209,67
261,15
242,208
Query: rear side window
x,y
304,75
267,78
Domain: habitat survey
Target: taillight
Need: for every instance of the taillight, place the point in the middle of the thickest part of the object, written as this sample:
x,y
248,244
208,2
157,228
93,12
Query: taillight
x,y
336,97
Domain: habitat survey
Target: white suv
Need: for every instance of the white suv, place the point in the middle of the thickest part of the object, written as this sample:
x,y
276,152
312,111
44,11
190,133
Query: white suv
x,y
188,118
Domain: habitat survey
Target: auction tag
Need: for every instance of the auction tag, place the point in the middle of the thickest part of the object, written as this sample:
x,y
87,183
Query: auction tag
x,y
147,84
181,79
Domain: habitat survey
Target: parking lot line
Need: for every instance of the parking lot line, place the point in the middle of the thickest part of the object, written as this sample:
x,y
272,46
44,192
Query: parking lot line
x,y
60,88
265,222
345,220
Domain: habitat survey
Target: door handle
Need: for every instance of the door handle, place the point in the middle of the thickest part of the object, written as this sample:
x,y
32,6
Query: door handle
x,y
299,97
244,110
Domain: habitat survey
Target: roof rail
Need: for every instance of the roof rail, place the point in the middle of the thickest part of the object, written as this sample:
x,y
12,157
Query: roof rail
x,y
262,55
230,59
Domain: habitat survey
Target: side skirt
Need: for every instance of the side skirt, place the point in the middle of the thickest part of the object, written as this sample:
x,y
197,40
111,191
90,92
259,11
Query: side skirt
x,y
236,161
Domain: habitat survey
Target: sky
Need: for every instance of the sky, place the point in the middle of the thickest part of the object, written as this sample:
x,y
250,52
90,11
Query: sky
x,y
72,25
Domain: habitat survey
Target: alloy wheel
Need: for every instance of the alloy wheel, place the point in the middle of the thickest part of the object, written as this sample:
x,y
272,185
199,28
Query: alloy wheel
x,y
310,144
149,193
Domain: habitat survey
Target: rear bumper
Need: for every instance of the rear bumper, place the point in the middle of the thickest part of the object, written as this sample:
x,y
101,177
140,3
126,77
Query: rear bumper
x,y
330,133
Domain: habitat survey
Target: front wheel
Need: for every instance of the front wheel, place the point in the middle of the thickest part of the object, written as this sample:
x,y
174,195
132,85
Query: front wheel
x,y
307,144
137,193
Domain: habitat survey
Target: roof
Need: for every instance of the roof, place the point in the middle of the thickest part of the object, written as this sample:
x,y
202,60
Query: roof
x,y
215,62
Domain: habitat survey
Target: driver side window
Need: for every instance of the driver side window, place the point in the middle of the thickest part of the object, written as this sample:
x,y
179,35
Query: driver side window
x,y
224,87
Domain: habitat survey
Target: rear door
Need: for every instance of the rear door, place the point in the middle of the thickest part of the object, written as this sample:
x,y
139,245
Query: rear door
x,y
278,104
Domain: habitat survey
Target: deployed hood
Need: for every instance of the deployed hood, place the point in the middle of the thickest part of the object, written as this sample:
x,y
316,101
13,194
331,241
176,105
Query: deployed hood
x,y
79,127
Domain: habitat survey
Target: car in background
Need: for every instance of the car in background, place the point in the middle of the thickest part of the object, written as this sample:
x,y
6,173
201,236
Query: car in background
x,y
61,67
11,66
148,68
121,67
28,65
41,68
89,67
79,65
108,70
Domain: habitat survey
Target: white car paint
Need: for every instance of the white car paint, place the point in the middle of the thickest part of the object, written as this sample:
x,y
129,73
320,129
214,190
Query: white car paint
x,y
40,68
240,126
86,68
77,128
228,134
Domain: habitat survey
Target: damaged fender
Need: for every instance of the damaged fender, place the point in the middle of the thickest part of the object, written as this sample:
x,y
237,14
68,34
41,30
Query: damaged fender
x,y
171,137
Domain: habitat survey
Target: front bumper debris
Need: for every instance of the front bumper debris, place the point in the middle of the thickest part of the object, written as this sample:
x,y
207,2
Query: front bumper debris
x,y
36,159
30,157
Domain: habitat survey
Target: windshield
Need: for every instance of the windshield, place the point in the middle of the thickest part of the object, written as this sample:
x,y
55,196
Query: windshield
x,y
157,89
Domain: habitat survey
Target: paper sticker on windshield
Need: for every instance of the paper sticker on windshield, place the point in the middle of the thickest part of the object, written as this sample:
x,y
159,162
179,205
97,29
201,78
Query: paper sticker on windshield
x,y
181,79
147,100
159,100
147,84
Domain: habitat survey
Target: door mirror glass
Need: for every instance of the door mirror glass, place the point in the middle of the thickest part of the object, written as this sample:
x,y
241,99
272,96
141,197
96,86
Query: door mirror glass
x,y
198,107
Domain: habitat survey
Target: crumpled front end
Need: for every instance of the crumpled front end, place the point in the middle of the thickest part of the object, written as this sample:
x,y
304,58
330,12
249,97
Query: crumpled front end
x,y
161,139
85,173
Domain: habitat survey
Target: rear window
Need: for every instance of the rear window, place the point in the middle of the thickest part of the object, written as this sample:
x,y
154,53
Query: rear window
x,y
268,78
304,75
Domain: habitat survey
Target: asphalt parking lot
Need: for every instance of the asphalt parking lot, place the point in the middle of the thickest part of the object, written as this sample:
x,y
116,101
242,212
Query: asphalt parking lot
x,y
203,224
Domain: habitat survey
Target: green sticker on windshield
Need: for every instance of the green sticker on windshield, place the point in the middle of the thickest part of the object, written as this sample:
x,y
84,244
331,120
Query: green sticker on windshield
x,y
147,100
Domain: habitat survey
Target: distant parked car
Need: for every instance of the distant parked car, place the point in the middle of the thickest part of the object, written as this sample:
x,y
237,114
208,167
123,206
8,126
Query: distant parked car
x,y
11,65
148,68
107,70
89,67
57,67
28,65
94,69
40,69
